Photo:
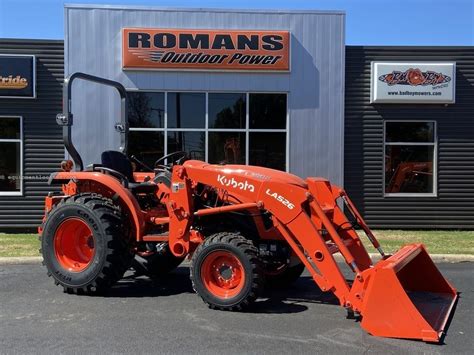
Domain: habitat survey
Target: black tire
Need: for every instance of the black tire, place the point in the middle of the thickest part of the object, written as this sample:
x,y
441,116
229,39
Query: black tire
x,y
158,264
285,278
239,248
112,255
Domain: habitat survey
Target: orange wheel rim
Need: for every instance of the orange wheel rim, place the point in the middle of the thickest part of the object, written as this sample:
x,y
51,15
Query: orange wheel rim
x,y
74,245
223,274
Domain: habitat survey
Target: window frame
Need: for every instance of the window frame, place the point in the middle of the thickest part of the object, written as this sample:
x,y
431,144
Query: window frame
x,y
15,140
433,144
247,130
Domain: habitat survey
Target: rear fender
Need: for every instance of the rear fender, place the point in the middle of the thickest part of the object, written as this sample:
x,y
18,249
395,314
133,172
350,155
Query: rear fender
x,y
109,187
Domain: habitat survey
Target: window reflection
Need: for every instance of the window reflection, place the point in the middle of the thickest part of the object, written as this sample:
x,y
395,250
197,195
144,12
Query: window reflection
x,y
226,148
146,146
408,169
10,166
410,132
146,110
268,149
185,129
267,111
9,128
186,110
192,143
227,110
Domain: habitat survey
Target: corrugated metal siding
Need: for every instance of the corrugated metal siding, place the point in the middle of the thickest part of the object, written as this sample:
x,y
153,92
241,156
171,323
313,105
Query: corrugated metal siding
x,y
454,205
315,85
42,141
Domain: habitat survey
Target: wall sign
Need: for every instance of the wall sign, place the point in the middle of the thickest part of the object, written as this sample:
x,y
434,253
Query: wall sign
x,y
427,82
17,76
171,49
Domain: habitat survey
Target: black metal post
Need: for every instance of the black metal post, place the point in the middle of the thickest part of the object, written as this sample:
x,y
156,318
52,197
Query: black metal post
x,y
65,119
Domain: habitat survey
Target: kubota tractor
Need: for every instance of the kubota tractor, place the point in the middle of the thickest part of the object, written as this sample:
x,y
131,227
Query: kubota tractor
x,y
243,227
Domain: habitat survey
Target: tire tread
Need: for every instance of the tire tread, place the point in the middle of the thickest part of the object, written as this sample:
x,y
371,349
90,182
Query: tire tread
x,y
251,252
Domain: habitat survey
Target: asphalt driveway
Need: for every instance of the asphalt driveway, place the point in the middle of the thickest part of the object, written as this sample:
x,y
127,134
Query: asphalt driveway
x,y
139,316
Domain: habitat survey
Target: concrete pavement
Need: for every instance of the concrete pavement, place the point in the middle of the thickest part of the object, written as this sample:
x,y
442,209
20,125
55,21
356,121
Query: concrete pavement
x,y
140,316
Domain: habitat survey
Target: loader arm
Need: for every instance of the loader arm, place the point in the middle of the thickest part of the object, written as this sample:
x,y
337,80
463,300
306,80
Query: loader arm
x,y
391,301
294,210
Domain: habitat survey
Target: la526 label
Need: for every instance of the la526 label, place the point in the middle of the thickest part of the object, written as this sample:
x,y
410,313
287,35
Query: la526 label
x,y
280,199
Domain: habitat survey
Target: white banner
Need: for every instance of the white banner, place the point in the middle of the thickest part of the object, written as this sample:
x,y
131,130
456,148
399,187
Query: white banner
x,y
427,82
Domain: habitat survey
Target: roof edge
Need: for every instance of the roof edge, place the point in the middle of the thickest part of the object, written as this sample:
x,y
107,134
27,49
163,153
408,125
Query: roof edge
x,y
30,40
203,9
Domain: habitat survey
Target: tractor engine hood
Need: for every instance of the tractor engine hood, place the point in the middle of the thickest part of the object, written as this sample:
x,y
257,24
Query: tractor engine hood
x,y
249,171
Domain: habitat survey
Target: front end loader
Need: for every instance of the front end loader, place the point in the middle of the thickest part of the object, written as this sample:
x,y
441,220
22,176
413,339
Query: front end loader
x,y
244,228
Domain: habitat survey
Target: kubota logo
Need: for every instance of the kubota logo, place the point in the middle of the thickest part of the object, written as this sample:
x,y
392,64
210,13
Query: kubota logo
x,y
414,77
225,181
13,82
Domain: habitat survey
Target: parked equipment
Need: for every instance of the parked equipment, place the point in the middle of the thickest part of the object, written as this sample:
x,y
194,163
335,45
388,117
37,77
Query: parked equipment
x,y
244,227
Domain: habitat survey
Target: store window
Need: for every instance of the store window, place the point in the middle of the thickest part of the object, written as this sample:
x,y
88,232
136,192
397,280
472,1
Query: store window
x,y
11,155
191,142
227,110
146,116
186,110
232,128
410,158
227,124
267,111
267,130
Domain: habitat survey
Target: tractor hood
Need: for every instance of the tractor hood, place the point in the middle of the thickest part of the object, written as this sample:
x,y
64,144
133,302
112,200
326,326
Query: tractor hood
x,y
249,171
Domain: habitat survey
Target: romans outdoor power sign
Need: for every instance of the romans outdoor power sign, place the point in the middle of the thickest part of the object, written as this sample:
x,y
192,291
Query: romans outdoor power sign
x,y
17,76
209,50
428,82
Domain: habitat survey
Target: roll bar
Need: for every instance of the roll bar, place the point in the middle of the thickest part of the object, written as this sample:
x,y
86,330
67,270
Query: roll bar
x,y
65,119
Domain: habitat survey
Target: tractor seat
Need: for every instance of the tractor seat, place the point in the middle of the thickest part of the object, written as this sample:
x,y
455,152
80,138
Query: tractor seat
x,y
119,162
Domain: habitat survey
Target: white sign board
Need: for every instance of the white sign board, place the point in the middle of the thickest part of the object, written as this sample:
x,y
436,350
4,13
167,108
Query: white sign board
x,y
428,82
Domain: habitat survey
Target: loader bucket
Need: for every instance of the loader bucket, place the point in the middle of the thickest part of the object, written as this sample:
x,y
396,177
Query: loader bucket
x,y
407,297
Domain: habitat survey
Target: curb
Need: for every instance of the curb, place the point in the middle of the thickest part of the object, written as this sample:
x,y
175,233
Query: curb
x,y
13,260
437,258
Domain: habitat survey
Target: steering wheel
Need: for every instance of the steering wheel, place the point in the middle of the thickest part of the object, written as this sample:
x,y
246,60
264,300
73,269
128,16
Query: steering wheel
x,y
180,157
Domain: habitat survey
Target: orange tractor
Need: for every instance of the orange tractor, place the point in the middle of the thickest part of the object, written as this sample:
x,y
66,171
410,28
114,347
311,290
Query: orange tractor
x,y
243,228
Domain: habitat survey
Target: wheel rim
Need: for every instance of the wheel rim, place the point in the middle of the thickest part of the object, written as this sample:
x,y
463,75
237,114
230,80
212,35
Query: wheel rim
x,y
223,274
74,245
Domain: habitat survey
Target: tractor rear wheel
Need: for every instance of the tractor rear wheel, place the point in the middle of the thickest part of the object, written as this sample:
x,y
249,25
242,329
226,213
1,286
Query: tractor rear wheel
x,y
226,272
84,246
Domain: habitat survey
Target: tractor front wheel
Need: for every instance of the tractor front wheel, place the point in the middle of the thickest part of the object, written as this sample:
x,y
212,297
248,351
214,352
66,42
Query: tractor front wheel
x,y
84,244
226,272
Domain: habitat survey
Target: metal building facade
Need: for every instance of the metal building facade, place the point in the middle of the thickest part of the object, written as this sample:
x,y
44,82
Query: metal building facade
x,y
314,86
41,139
452,204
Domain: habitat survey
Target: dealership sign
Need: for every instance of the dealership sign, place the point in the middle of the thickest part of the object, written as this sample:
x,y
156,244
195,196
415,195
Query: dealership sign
x,y
413,82
171,49
17,76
